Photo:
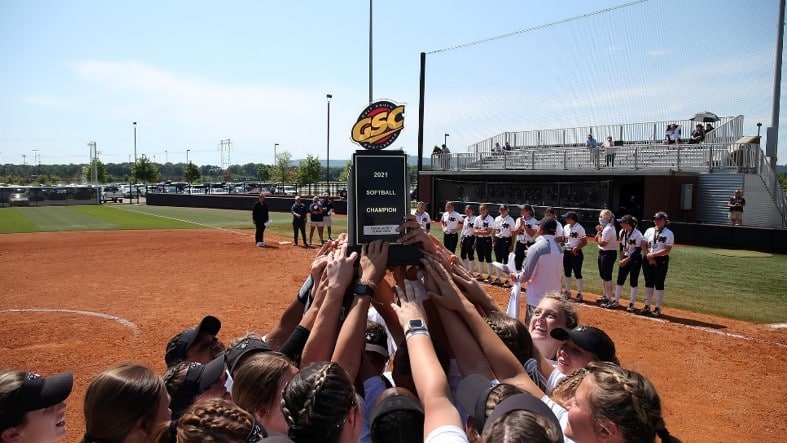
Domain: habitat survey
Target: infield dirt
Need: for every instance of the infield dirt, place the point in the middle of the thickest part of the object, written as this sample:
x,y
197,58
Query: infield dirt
x,y
720,380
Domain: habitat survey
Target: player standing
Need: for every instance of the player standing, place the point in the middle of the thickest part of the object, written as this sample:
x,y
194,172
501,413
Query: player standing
x,y
659,240
630,241
526,227
573,257
504,223
451,221
327,206
316,214
484,227
468,240
422,216
261,219
607,252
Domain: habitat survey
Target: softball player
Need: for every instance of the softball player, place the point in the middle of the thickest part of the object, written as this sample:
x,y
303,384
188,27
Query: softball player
x,y
327,205
607,252
573,257
630,241
451,221
468,239
525,232
422,216
659,240
504,223
483,228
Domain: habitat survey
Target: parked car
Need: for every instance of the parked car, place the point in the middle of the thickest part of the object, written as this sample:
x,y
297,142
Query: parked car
x,y
111,192
286,190
19,197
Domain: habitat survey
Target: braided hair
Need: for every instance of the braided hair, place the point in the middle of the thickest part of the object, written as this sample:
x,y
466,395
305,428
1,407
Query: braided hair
x,y
217,420
316,401
627,399
513,333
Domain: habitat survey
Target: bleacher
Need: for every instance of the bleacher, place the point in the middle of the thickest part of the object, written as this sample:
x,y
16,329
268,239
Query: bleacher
x,y
639,149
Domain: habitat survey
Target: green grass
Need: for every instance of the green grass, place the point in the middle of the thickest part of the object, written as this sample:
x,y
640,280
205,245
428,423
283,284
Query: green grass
x,y
110,217
699,280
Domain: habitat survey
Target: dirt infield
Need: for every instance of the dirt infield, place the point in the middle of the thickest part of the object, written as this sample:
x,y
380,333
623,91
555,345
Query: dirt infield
x,y
85,301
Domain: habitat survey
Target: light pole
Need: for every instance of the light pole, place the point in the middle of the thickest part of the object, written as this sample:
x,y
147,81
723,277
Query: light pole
x,y
445,139
35,161
133,169
275,145
328,146
166,156
187,165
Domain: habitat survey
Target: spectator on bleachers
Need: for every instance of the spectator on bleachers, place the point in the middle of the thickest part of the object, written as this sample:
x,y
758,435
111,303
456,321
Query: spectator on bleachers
x,y
592,146
672,134
697,135
507,146
708,128
609,152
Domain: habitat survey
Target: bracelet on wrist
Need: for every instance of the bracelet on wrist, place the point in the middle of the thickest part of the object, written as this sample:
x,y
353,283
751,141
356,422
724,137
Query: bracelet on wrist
x,y
416,332
366,282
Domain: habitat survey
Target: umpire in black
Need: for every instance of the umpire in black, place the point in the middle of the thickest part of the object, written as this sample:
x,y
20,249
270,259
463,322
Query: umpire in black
x,y
260,217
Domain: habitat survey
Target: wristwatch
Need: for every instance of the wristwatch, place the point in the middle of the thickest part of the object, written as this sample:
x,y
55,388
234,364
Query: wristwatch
x,y
363,289
415,326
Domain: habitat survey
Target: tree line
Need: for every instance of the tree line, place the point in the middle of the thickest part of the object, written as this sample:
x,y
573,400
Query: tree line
x,y
308,170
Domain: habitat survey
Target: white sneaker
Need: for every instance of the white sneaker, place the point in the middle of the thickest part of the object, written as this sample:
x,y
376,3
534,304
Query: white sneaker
x,y
260,244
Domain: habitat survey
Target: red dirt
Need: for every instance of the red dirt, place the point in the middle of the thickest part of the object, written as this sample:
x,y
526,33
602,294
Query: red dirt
x,y
714,386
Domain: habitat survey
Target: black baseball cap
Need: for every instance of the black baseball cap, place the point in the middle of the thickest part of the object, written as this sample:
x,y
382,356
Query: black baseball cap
x,y
179,344
36,392
661,215
472,393
199,378
395,403
628,219
589,338
527,207
243,348
523,402
572,215
548,224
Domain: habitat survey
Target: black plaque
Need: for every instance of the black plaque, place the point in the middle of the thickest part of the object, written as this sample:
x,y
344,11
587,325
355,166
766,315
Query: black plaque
x,y
378,200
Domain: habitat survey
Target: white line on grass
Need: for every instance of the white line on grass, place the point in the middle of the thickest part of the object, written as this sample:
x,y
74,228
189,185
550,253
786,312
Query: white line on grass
x,y
701,328
120,320
778,325
184,221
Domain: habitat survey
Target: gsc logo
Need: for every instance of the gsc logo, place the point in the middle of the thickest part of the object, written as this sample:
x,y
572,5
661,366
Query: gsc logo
x,y
379,125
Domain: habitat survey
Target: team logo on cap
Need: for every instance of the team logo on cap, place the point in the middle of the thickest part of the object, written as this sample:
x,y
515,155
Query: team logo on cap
x,y
379,125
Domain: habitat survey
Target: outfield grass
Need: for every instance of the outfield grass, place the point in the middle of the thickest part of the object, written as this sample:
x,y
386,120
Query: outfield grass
x,y
699,279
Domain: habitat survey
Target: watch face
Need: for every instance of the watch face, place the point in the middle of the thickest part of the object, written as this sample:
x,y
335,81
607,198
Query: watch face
x,y
416,323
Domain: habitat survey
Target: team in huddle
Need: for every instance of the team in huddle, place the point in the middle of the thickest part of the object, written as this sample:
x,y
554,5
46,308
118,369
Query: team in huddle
x,y
561,257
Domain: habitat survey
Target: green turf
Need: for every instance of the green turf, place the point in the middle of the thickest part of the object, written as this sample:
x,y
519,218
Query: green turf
x,y
699,279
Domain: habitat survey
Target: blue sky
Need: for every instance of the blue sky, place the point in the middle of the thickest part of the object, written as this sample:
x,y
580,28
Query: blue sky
x,y
192,73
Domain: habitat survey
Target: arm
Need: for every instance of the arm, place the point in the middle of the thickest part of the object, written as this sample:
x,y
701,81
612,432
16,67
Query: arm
x,y
473,291
326,326
383,297
350,343
463,345
502,361
429,378
294,314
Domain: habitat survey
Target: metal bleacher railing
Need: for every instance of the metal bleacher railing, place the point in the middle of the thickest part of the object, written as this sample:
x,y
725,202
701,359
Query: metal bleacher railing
x,y
727,130
639,146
